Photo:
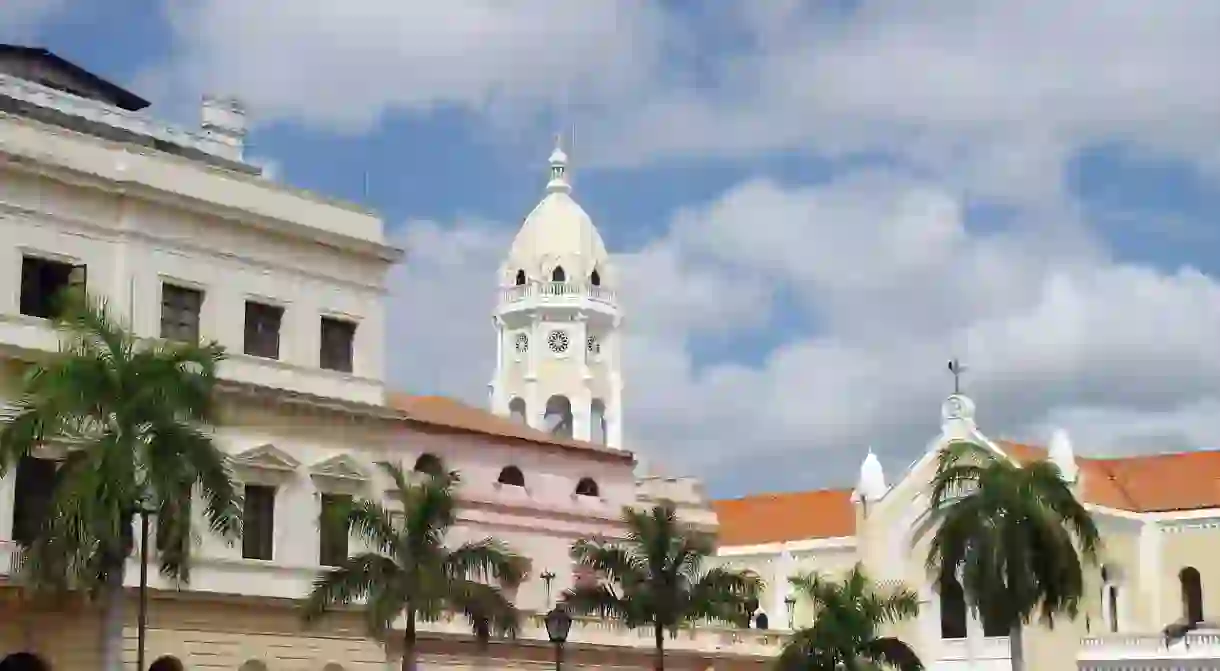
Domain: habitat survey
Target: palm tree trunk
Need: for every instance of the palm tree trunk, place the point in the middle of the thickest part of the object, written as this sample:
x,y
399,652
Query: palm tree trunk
x,y
658,662
408,642
1016,647
111,629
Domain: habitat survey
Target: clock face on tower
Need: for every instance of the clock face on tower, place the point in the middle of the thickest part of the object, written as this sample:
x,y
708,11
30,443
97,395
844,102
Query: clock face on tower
x,y
557,340
521,343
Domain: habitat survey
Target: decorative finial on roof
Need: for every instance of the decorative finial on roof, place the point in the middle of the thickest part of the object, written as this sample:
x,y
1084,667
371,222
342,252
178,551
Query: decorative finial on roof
x,y
871,485
958,369
559,168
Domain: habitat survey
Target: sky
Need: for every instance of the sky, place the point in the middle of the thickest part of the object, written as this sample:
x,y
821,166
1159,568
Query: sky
x,y
812,204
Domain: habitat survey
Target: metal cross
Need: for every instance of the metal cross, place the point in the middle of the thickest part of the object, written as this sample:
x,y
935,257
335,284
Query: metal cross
x,y
958,369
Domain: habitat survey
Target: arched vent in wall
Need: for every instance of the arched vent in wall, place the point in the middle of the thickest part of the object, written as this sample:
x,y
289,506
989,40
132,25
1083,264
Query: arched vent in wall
x,y
511,475
587,487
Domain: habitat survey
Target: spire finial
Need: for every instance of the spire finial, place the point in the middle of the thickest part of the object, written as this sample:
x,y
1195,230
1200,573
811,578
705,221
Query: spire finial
x,y
958,369
559,168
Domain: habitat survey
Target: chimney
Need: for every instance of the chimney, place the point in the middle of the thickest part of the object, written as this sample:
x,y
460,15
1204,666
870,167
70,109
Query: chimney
x,y
223,120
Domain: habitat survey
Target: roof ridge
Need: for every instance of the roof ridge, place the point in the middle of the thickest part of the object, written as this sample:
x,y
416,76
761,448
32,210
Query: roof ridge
x,y
776,495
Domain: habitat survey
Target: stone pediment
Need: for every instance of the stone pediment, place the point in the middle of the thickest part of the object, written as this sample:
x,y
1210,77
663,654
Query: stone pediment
x,y
266,458
339,467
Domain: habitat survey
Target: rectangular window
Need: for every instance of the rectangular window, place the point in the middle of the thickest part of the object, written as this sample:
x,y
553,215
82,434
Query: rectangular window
x,y
45,283
258,522
180,309
338,339
263,329
332,529
32,497
953,612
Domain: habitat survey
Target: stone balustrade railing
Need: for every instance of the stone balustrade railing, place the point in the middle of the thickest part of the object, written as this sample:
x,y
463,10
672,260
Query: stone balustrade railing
x,y
601,632
557,292
1197,645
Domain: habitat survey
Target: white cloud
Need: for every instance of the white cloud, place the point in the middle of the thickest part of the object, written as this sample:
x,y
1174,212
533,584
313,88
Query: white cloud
x,y
346,64
993,95
894,283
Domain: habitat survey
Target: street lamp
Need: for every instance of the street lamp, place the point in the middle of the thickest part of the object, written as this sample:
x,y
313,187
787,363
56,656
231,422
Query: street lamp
x,y
558,623
790,603
142,619
547,577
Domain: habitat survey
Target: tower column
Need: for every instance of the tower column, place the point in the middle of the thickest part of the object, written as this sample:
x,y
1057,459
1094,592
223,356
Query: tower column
x,y
499,404
582,414
614,413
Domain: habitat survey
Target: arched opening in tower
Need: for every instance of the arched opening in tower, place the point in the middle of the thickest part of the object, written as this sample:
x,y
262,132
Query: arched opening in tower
x,y
558,275
520,278
597,415
559,416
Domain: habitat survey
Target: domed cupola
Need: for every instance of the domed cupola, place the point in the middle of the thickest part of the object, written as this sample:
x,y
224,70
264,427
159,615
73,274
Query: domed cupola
x,y
557,322
558,241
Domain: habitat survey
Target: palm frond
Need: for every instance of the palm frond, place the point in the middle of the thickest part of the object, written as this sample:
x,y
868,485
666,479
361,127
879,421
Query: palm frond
x,y
487,559
373,524
354,579
889,652
599,599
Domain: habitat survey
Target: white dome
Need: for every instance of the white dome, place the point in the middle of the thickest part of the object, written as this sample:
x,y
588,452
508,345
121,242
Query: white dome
x,y
558,233
871,485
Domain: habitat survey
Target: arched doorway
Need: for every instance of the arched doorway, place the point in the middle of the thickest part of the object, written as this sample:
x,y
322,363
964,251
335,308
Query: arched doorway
x,y
24,661
1192,594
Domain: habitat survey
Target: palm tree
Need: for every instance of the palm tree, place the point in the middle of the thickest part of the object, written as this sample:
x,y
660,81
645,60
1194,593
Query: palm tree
x,y
136,418
408,570
849,614
1014,536
654,577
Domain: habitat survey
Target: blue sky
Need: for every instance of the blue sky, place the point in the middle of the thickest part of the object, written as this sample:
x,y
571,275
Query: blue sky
x,y
814,205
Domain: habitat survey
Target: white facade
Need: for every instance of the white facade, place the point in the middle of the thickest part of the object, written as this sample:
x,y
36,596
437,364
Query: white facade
x,y
557,323
135,223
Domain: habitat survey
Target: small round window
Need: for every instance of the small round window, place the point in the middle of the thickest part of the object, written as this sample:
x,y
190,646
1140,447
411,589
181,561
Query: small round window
x,y
558,342
521,343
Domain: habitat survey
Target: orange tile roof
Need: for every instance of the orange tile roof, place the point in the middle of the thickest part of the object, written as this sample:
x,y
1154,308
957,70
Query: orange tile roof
x,y
439,412
1143,483
769,518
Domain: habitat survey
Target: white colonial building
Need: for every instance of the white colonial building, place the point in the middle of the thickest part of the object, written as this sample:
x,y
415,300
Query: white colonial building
x,y
186,240
1158,516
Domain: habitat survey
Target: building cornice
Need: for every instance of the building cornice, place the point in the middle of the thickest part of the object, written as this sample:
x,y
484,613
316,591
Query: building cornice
x,y
355,410
117,180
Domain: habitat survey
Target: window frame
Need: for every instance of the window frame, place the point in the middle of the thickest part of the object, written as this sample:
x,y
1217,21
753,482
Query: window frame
x,y
181,289
347,359
258,546
329,551
252,341
76,277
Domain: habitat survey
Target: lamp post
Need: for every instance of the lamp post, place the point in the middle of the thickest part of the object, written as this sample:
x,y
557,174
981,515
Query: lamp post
x,y
547,577
558,623
142,618
790,604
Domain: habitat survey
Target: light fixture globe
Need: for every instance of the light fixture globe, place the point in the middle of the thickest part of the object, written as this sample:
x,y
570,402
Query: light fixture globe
x,y
558,623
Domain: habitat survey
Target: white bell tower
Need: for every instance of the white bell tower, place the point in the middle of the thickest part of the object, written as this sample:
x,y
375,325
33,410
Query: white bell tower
x,y
557,323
